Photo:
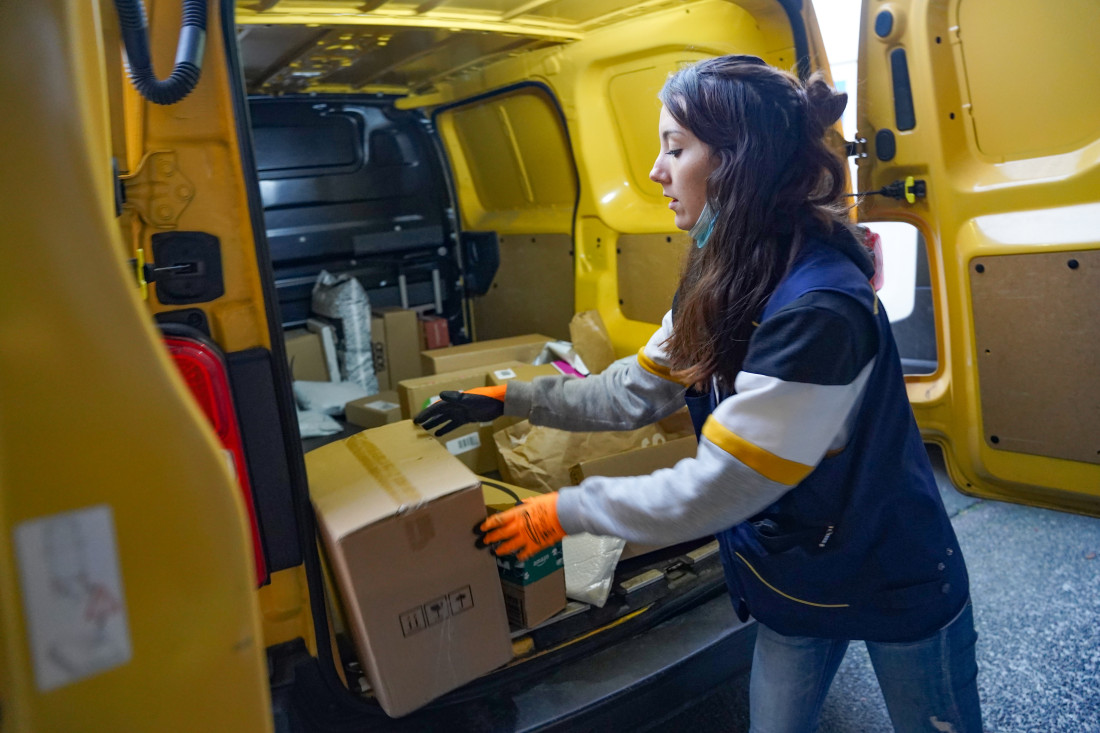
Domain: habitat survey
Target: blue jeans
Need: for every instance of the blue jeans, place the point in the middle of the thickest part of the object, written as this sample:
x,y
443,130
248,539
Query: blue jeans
x,y
929,685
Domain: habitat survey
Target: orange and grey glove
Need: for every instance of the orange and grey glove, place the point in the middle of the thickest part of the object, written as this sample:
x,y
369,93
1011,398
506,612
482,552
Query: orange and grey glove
x,y
523,530
455,409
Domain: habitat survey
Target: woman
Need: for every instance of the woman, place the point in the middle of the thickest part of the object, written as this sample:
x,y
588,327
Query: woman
x,y
810,469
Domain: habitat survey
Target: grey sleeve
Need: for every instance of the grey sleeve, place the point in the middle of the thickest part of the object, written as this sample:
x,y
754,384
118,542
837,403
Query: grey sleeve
x,y
624,397
696,497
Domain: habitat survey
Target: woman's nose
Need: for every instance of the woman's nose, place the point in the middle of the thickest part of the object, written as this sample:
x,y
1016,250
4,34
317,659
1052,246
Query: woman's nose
x,y
658,173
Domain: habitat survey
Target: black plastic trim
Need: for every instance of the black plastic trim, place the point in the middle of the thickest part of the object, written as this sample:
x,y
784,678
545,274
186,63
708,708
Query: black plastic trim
x,y
253,383
793,9
884,23
885,145
903,92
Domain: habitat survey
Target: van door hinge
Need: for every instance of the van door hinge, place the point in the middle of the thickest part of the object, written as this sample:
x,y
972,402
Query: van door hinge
x,y
157,190
856,148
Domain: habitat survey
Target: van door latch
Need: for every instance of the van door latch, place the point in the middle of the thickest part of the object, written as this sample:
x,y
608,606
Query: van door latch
x,y
188,268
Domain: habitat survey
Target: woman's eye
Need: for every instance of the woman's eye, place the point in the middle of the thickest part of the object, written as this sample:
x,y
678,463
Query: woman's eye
x,y
675,153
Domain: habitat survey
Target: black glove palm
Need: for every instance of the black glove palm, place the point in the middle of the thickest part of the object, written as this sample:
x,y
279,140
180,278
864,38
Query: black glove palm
x,y
455,409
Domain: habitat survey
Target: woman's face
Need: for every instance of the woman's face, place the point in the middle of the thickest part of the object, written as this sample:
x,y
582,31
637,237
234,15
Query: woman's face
x,y
682,168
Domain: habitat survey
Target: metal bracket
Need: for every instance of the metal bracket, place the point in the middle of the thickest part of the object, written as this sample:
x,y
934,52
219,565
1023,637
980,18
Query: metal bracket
x,y
856,148
157,190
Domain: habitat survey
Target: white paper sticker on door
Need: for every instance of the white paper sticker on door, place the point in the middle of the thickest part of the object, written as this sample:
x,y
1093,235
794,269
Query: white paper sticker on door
x,y
72,595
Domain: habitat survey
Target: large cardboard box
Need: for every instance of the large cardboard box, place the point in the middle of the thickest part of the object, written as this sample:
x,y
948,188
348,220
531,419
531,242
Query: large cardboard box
x,y
306,355
373,411
472,444
514,348
423,604
402,343
637,462
534,589
378,352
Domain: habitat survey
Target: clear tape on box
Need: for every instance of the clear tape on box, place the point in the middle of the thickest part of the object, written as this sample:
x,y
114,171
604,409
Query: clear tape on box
x,y
590,562
342,302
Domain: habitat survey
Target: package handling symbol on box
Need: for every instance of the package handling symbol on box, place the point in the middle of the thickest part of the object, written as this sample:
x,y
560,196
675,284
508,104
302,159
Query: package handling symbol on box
x,y
436,611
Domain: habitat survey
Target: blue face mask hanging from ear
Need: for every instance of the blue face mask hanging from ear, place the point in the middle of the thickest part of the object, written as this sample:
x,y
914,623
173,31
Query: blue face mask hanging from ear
x,y
703,227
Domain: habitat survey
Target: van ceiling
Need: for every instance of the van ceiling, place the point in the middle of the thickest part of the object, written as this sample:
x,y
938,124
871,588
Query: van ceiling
x,y
400,47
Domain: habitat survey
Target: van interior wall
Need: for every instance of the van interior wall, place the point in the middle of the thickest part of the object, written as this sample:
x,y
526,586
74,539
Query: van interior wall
x,y
532,291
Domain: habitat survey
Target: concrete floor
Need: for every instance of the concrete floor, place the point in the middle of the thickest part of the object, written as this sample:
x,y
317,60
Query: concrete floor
x,y
1035,584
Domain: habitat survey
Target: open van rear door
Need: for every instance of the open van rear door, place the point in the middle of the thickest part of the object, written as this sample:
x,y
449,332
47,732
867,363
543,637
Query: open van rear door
x,y
985,114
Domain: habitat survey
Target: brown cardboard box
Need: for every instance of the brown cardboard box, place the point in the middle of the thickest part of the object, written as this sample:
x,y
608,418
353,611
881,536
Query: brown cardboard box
x,y
417,393
378,351
434,333
371,412
423,604
306,356
402,343
637,462
534,589
472,444
523,373
515,348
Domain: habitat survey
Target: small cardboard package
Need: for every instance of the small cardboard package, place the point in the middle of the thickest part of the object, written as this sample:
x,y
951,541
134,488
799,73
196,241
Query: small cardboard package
x,y
472,444
373,411
378,352
434,333
514,348
306,355
534,589
423,604
402,343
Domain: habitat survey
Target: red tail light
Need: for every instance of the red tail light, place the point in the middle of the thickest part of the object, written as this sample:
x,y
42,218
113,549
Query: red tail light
x,y
204,371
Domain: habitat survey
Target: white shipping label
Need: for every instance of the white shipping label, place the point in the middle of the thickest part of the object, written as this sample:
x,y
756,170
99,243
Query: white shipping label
x,y
382,405
72,595
464,444
505,374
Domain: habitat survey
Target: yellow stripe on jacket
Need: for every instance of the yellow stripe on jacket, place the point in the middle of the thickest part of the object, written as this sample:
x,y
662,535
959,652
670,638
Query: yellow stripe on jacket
x,y
764,462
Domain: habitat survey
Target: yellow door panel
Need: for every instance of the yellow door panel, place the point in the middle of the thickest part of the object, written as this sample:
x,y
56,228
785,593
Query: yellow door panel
x,y
127,587
973,98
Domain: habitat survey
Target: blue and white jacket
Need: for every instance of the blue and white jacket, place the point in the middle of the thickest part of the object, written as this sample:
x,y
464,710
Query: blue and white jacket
x,y
812,472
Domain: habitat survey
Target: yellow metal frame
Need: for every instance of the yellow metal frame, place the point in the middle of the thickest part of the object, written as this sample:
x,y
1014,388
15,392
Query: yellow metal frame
x,y
94,413
958,112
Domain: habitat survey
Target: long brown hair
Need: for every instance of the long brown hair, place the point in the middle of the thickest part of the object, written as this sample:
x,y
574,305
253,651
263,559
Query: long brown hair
x,y
775,178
